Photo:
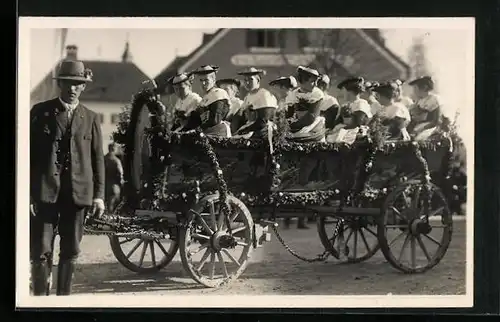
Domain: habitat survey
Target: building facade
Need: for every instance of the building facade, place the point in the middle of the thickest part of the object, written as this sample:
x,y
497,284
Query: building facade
x,y
112,88
339,53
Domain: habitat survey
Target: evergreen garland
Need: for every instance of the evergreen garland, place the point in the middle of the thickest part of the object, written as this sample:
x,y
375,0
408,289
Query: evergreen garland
x,y
374,143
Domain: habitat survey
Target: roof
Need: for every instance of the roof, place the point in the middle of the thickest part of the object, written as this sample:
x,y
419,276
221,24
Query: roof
x,y
180,61
379,39
113,81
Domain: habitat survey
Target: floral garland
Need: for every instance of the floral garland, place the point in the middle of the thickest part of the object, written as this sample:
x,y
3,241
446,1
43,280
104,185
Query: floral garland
x,y
374,144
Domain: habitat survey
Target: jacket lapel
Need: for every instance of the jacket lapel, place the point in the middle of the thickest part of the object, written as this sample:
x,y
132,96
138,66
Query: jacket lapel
x,y
77,119
61,116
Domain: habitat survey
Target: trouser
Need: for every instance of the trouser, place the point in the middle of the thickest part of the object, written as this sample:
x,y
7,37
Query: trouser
x,y
67,218
113,194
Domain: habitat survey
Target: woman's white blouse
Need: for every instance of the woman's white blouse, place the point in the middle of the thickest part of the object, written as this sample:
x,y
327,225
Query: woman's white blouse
x,y
406,101
361,105
188,103
429,103
327,102
395,110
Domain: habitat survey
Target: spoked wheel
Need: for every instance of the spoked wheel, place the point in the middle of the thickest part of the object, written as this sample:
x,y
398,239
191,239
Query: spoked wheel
x,y
143,255
209,254
357,241
412,238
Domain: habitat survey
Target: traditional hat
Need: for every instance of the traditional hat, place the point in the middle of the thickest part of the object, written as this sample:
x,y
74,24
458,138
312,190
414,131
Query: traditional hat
x,y
307,70
229,81
74,70
352,82
179,78
264,99
206,69
425,80
324,78
252,71
398,81
289,82
387,89
371,85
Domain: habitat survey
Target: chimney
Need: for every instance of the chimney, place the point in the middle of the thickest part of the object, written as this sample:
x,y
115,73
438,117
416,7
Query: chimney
x,y
71,52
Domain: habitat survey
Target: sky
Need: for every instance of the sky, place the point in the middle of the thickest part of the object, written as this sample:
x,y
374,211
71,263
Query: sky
x,y
154,49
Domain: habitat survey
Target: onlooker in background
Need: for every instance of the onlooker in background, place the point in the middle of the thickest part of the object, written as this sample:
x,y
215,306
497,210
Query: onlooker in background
x,y
235,114
114,177
66,177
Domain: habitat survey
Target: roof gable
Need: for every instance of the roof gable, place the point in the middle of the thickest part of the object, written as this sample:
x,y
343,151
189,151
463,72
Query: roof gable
x,y
372,36
113,82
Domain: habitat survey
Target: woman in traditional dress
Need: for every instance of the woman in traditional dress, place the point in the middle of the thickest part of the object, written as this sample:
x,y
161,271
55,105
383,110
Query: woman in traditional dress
x,y
187,100
235,115
329,106
282,87
264,105
371,96
308,125
354,115
394,115
427,111
251,80
213,107
401,98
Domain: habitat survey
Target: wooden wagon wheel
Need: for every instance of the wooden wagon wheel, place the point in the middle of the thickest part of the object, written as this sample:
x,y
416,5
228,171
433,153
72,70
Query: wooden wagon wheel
x,y
403,220
359,235
146,254
143,255
208,253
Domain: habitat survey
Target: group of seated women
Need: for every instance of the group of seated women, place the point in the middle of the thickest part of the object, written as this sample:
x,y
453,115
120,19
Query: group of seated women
x,y
311,113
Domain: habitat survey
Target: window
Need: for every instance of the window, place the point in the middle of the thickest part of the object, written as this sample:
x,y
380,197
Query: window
x,y
264,38
115,118
101,117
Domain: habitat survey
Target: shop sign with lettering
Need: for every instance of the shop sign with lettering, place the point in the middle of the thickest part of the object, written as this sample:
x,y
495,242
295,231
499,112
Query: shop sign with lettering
x,y
276,60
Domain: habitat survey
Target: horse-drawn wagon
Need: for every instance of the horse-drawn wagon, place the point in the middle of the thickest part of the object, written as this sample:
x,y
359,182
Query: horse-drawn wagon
x,y
214,199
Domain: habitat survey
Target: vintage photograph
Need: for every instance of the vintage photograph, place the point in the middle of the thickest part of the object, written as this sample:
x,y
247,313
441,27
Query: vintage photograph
x,y
327,159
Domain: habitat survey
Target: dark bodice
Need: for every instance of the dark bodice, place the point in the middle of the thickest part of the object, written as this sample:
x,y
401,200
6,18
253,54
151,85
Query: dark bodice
x,y
208,116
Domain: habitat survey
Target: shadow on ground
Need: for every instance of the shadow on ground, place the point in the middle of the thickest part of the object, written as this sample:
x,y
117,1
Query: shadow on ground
x,y
272,271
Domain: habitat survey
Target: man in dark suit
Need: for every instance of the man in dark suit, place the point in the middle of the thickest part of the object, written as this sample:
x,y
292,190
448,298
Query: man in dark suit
x,y
66,177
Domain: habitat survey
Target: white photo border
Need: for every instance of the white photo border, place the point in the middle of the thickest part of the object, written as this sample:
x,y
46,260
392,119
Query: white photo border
x,y
23,298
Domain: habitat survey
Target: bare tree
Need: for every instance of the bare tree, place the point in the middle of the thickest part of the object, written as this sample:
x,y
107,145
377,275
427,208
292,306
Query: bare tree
x,y
330,49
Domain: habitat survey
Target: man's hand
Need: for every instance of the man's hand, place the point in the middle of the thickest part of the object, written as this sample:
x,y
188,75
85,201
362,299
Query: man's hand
x,y
98,207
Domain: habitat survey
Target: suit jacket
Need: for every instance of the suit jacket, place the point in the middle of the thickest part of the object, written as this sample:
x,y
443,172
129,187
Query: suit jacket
x,y
87,157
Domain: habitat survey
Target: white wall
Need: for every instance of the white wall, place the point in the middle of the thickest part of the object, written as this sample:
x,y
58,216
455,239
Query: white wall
x,y
107,112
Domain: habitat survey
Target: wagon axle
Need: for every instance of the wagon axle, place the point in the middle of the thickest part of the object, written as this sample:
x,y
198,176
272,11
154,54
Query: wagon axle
x,y
221,240
419,227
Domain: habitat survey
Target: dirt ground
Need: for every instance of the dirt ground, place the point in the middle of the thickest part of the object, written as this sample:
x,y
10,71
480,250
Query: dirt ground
x,y
272,270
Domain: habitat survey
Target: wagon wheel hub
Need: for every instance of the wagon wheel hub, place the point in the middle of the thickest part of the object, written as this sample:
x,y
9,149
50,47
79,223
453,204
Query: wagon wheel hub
x,y
221,240
419,226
